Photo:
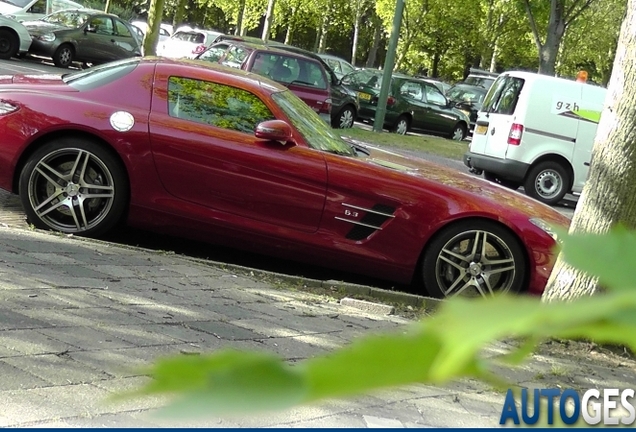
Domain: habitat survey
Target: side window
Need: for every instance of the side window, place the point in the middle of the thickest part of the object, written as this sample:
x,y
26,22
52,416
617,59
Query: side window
x,y
122,30
214,54
38,7
215,104
334,65
312,74
102,25
235,57
434,96
411,90
346,69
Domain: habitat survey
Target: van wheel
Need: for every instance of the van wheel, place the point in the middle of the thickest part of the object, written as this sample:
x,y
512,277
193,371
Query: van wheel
x,y
547,182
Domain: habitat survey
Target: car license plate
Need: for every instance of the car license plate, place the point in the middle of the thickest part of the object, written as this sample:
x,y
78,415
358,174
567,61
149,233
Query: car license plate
x,y
481,129
364,96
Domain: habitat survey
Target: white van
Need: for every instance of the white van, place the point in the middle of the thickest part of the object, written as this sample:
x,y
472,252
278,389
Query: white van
x,y
536,131
29,10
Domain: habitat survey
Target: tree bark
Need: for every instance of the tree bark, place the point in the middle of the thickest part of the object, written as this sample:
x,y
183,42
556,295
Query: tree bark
x,y
155,13
290,26
373,52
179,14
608,197
239,18
322,44
269,17
356,33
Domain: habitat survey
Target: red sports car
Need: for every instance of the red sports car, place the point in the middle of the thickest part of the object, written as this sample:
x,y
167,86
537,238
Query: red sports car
x,y
195,149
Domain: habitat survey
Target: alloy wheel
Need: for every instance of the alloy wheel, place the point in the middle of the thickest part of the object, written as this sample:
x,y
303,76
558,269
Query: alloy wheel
x,y
71,190
475,262
402,127
458,133
346,119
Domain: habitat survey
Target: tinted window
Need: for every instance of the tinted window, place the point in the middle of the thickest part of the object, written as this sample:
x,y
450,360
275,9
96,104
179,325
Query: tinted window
x,y
434,96
215,104
346,68
363,77
235,57
288,70
412,90
466,94
334,65
503,95
122,30
214,54
194,37
38,7
102,25
99,75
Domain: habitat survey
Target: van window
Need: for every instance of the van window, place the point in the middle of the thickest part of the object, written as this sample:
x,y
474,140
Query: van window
x,y
503,95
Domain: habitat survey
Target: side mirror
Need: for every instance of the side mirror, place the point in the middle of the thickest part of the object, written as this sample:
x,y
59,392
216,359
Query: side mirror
x,y
274,130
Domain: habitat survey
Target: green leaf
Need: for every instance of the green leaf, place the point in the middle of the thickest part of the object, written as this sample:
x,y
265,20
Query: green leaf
x,y
610,257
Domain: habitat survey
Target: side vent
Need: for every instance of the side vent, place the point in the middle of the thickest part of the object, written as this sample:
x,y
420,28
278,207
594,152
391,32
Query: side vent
x,y
371,222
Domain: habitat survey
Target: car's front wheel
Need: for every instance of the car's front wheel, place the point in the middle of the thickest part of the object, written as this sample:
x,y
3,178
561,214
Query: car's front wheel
x,y
473,258
9,44
345,118
74,186
63,56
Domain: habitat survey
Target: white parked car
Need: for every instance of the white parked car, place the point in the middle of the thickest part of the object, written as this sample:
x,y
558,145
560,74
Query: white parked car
x,y
14,38
165,30
187,42
28,10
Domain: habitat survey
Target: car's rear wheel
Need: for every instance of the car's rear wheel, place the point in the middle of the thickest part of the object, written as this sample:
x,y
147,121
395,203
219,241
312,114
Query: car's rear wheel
x,y
547,182
402,124
459,132
473,258
9,44
345,118
63,56
74,186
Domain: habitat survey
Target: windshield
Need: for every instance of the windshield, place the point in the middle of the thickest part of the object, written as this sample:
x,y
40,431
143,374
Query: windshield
x,y
458,94
19,3
315,131
71,19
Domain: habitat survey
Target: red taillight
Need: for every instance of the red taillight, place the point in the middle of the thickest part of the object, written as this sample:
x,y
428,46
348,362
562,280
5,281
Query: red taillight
x,y
390,101
326,106
514,137
199,49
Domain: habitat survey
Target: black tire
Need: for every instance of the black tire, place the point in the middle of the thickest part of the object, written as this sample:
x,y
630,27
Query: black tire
x,y
401,125
477,275
506,183
345,118
56,196
9,44
459,132
547,182
63,56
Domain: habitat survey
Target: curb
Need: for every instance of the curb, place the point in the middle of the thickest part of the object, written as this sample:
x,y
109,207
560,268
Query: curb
x,y
345,289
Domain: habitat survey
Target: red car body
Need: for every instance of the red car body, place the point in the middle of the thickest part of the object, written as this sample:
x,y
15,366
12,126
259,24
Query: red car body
x,y
230,187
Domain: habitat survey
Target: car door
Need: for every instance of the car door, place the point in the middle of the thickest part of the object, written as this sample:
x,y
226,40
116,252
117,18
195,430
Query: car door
x,y
206,154
440,117
125,44
411,98
96,43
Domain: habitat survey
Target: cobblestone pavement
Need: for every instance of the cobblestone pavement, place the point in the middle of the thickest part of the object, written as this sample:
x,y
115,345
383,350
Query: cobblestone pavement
x,y
78,316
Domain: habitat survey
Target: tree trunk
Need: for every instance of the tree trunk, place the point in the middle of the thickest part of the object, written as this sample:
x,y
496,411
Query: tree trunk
x,y
239,18
356,32
608,196
155,13
290,27
377,35
179,13
107,6
269,17
322,44
435,67
493,58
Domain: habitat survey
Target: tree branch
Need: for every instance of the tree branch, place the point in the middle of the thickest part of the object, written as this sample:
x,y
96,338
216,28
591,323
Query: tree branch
x,y
533,25
570,15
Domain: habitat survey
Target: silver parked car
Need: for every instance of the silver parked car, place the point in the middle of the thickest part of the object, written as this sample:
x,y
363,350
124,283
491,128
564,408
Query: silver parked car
x,y
14,38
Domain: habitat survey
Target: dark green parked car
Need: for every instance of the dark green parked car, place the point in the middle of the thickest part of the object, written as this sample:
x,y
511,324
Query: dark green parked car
x,y
413,104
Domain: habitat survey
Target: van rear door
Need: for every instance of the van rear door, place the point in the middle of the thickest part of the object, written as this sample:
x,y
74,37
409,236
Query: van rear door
x,y
496,117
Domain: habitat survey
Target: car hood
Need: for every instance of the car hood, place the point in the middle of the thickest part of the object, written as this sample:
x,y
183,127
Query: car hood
x,y
40,27
463,183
